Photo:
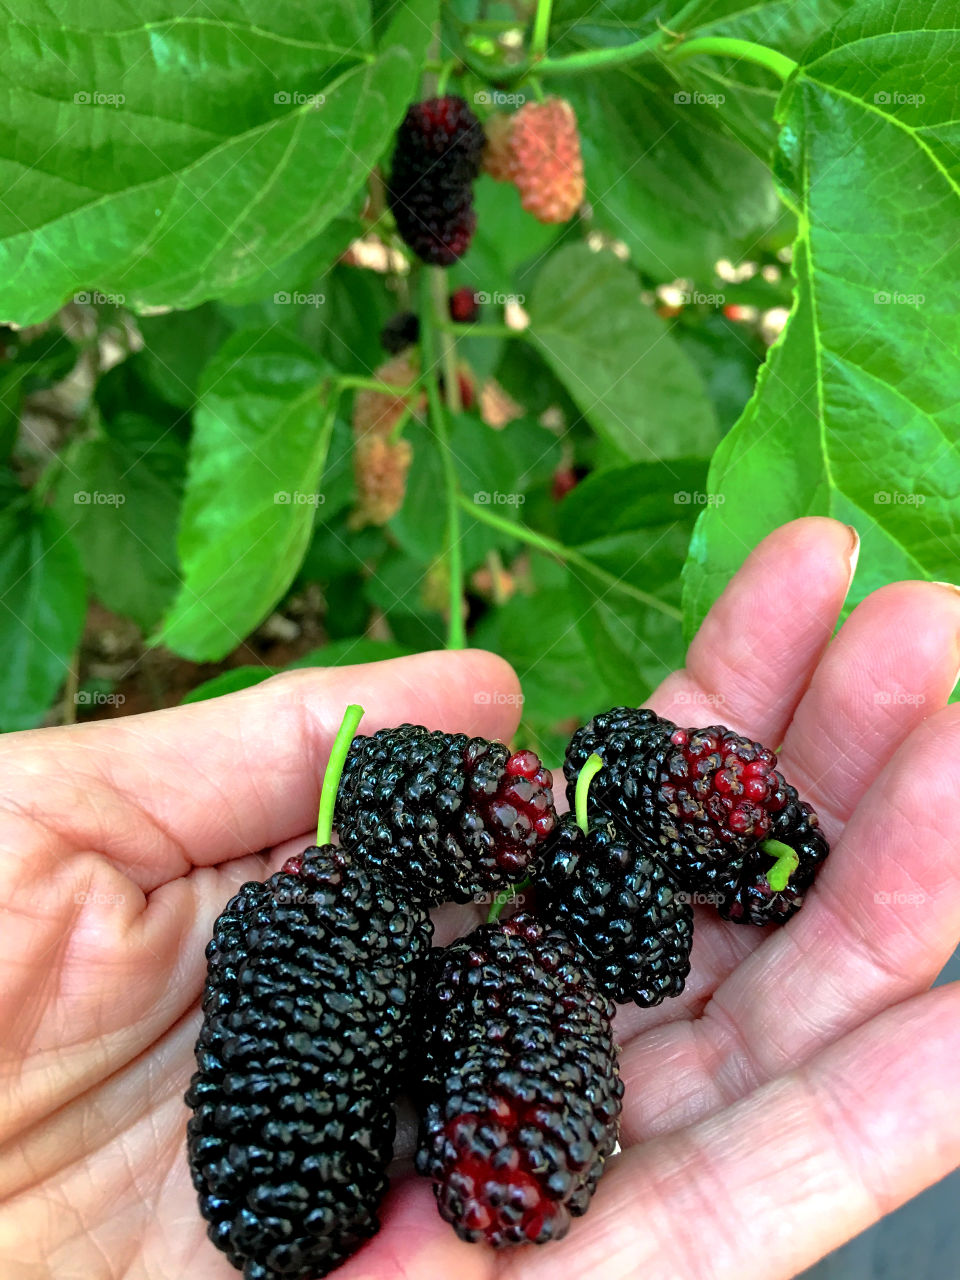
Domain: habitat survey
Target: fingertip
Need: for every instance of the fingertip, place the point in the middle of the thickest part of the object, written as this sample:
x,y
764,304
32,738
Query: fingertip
x,y
761,640
463,691
817,541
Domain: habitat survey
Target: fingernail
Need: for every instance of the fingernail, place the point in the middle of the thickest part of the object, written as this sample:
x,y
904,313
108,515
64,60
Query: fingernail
x,y
853,555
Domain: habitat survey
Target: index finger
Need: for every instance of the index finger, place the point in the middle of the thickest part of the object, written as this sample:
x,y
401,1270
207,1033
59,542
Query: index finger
x,y
195,786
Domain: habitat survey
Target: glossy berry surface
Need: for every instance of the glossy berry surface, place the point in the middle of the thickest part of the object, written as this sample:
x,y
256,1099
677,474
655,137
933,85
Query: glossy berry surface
x,y
616,899
521,1093
452,817
305,1033
720,785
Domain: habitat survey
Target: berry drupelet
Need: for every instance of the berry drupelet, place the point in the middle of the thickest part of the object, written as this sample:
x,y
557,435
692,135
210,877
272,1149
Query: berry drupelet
x,y
521,1092
454,817
437,156
613,896
307,1007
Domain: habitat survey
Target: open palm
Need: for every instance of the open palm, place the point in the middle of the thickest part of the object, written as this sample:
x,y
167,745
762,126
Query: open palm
x,y
804,1084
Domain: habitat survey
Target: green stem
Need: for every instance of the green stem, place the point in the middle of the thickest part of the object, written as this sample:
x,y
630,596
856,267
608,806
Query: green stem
x,y
433,303
448,354
541,29
787,861
728,47
566,555
331,777
657,42
593,59
591,768
443,77
504,896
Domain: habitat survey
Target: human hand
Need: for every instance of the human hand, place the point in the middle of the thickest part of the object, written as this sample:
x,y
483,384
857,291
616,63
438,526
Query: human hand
x,y
800,1087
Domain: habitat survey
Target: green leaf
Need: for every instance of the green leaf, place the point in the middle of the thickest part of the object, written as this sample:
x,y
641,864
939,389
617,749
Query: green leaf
x,y
342,653
297,270
697,180
42,607
506,237
855,412
350,652
186,152
256,459
663,172
177,347
399,585
728,356
545,647
616,358
496,468
633,522
229,682
421,523
120,497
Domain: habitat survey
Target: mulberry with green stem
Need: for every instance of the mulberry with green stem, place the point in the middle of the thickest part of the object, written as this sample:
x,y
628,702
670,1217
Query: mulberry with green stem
x,y
453,817
725,821
306,1029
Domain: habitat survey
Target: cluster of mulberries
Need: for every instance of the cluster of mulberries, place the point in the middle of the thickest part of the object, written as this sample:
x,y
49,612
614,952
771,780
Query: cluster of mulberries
x,y
438,153
437,156
323,998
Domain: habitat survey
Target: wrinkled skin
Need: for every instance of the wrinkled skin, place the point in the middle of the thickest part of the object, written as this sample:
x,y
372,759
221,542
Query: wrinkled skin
x,y
804,1084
